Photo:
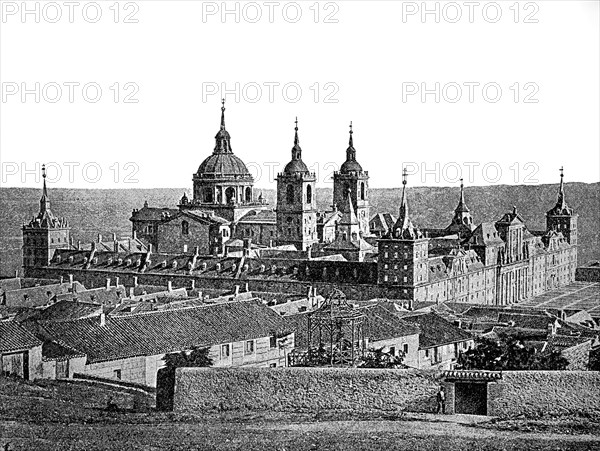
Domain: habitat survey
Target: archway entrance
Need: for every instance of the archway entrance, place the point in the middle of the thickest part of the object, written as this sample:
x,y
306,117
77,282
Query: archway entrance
x,y
470,398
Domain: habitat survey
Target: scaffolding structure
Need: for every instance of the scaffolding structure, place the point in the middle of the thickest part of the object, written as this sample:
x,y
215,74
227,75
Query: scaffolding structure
x,y
336,332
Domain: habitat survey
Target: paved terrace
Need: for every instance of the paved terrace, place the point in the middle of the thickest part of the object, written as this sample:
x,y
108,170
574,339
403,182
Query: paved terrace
x,y
576,296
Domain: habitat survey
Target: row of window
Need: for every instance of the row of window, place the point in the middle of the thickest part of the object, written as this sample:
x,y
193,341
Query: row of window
x,y
249,347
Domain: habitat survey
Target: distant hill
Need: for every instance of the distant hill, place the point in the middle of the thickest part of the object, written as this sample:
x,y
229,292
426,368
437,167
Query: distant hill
x,y
106,211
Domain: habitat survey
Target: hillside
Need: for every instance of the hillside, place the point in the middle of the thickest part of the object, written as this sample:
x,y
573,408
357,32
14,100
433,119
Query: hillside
x,y
107,211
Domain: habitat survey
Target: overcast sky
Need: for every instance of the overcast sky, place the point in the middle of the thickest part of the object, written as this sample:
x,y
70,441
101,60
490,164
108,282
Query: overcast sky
x,y
512,91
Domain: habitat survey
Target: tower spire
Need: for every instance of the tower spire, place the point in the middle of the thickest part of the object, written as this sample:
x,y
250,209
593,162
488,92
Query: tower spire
x,y
223,139
351,151
222,114
404,228
296,150
561,207
45,200
462,206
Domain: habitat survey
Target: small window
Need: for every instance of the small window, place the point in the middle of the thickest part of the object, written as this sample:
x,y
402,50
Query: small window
x,y
185,228
426,352
273,365
249,349
117,374
405,348
225,352
273,341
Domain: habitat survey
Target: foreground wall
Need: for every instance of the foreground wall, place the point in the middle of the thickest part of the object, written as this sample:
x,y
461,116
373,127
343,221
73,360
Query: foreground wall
x,y
533,393
305,389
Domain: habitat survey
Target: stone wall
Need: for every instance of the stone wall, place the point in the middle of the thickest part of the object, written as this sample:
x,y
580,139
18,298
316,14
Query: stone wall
x,y
305,389
533,393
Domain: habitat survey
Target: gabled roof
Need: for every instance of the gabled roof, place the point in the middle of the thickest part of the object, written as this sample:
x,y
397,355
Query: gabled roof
x,y
485,234
382,221
166,331
69,310
14,337
436,331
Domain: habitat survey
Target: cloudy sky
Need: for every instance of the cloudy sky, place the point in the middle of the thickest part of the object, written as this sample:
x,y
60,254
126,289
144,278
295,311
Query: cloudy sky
x,y
127,94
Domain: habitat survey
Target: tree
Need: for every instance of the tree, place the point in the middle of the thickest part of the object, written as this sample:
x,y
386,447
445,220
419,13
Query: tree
x,y
509,354
378,358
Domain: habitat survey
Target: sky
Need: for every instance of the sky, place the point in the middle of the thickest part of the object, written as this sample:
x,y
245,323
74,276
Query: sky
x,y
122,94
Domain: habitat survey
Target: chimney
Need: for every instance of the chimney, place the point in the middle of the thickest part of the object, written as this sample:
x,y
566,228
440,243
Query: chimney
x,y
237,290
99,238
309,253
149,248
551,330
116,281
116,246
135,281
134,235
71,279
131,294
108,283
61,279
309,295
114,236
247,287
193,284
170,285
78,245
102,319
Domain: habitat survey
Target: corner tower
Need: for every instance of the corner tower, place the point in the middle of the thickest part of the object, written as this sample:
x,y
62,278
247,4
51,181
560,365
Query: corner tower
x,y
351,182
404,253
462,222
561,217
296,202
44,234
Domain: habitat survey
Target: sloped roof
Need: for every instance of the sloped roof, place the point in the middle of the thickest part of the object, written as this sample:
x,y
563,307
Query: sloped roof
x,y
382,221
485,234
68,310
259,217
165,331
14,337
526,321
436,331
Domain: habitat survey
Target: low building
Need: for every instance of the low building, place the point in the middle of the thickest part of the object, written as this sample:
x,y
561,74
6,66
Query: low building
x,y
20,352
131,347
440,342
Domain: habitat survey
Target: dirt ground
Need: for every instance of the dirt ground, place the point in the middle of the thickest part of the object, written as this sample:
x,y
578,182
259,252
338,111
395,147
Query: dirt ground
x,y
52,415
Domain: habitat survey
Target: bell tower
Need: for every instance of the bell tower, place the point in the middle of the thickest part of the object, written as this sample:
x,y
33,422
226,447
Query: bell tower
x,y
296,202
351,182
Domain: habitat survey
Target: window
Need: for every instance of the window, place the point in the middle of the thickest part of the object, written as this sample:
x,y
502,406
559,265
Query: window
x,y
117,374
249,349
273,341
427,353
225,352
405,348
392,350
362,191
185,228
289,195
309,194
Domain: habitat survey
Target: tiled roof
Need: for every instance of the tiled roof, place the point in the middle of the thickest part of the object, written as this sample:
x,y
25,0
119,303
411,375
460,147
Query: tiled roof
x,y
13,337
54,351
260,217
436,331
526,321
38,296
382,222
166,331
69,310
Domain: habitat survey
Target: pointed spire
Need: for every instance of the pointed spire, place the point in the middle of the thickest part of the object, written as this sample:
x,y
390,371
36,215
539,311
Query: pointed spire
x,y
351,141
222,114
296,150
351,151
561,207
349,215
223,140
404,228
45,200
462,206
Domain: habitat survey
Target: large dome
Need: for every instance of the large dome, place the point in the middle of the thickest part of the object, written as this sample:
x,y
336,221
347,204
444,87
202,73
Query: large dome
x,y
223,164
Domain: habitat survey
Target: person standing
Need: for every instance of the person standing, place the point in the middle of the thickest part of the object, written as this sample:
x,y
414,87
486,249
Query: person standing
x,y
441,400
